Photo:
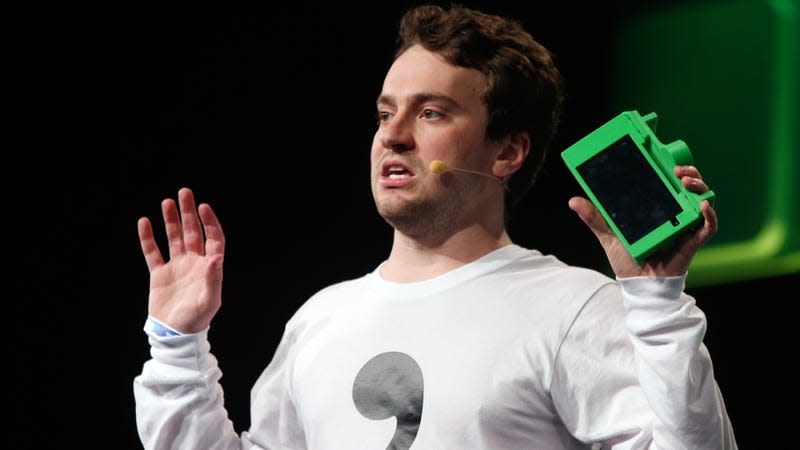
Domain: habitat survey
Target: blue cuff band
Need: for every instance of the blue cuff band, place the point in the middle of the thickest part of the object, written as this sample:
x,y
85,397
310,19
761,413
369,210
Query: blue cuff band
x,y
158,328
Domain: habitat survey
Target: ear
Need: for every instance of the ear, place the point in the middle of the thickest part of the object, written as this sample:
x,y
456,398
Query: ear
x,y
512,153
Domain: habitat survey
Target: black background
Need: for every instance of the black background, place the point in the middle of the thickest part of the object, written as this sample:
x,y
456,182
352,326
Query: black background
x,y
267,113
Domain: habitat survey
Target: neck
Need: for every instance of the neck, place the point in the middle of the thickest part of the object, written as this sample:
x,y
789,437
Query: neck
x,y
413,259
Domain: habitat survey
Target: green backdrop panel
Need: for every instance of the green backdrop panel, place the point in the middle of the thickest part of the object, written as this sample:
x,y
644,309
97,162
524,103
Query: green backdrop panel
x,y
723,77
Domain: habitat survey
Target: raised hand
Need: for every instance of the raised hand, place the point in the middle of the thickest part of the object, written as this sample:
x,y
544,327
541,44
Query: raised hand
x,y
673,262
186,290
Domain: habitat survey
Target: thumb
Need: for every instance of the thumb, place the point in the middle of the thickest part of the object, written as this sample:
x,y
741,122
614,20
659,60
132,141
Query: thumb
x,y
213,274
591,217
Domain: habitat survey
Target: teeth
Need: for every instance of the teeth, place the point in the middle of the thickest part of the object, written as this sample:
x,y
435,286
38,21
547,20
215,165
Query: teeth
x,y
397,173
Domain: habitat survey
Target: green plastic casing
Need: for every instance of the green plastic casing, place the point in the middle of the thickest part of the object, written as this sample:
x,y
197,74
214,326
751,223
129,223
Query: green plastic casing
x,y
645,190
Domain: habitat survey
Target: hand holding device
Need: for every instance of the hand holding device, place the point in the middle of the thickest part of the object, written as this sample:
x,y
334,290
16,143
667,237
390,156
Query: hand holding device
x,y
628,174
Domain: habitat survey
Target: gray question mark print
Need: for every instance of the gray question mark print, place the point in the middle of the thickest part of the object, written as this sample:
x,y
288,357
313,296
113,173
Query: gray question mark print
x,y
390,384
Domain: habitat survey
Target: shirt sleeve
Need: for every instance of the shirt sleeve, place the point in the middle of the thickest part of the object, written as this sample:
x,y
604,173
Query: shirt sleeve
x,y
275,423
633,372
179,401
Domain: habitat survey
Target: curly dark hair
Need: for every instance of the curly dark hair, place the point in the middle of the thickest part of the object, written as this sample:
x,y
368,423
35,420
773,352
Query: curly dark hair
x,y
524,90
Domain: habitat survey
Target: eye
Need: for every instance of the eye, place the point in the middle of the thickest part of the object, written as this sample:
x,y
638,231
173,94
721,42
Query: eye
x,y
430,114
383,116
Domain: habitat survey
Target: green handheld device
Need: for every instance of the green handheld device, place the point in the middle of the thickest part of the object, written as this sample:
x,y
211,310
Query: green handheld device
x,y
628,174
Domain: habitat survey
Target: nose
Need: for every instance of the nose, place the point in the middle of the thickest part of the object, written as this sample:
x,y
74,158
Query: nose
x,y
395,134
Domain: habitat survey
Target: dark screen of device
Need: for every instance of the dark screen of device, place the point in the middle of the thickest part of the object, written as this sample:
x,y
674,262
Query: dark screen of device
x,y
629,189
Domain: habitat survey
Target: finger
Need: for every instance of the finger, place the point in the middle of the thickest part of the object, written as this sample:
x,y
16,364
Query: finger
x,y
694,184
152,254
693,241
172,225
192,233
711,224
215,238
687,171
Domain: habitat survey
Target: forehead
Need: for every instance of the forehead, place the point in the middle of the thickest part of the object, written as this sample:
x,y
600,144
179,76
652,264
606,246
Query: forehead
x,y
419,71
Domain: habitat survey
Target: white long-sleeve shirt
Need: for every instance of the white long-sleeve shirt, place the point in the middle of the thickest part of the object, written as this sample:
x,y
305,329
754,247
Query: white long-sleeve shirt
x,y
513,351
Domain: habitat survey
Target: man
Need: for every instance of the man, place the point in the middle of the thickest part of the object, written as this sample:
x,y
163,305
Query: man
x,y
460,339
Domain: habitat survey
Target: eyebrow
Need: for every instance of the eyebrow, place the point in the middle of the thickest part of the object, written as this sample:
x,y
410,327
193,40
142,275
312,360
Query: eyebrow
x,y
422,97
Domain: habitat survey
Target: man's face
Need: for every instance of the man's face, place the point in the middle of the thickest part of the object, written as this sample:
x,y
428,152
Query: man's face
x,y
429,109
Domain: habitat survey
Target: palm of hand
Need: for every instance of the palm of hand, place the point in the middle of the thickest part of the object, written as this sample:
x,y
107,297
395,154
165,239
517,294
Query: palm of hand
x,y
180,293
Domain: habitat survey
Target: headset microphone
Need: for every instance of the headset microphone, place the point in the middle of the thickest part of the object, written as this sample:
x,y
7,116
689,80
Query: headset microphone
x,y
438,167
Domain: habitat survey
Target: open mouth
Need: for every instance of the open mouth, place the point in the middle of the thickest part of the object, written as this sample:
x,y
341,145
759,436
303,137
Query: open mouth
x,y
396,173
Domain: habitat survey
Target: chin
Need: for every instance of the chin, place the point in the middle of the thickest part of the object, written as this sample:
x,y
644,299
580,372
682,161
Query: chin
x,y
412,218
